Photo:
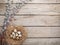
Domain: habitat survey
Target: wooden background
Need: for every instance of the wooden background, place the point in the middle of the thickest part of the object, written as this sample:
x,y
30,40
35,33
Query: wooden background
x,y
41,19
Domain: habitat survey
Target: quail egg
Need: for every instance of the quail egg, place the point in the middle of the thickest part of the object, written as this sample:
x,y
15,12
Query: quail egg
x,y
16,34
15,30
11,36
20,35
19,32
13,33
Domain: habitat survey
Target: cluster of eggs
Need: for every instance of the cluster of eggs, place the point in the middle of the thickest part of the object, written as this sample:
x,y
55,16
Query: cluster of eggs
x,y
16,34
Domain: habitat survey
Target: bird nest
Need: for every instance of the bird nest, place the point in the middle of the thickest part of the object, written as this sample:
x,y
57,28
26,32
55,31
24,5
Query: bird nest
x,y
15,35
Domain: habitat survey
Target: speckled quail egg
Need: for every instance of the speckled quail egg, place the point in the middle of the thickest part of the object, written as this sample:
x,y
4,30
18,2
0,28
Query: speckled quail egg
x,y
14,37
17,38
16,34
19,32
15,30
20,35
11,36
13,33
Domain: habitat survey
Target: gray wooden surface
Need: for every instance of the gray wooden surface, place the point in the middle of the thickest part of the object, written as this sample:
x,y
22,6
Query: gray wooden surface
x,y
41,19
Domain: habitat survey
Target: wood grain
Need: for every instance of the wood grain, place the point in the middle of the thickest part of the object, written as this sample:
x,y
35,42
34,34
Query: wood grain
x,y
35,1
1,20
42,41
43,9
35,20
41,32
40,9
2,8
42,29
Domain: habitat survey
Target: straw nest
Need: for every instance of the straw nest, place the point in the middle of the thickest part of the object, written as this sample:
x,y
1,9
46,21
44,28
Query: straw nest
x,y
15,35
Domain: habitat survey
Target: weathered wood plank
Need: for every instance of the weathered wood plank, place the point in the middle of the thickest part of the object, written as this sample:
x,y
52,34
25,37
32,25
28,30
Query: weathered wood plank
x,y
38,20
1,20
43,31
38,32
42,42
2,8
35,1
35,20
46,9
40,9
